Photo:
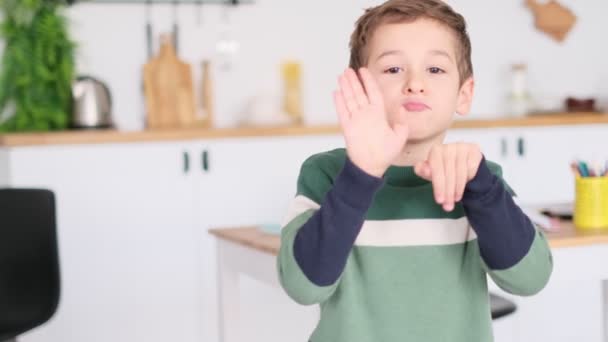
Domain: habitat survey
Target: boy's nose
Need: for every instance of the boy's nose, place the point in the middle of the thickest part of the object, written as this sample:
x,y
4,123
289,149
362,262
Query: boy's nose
x,y
413,90
413,85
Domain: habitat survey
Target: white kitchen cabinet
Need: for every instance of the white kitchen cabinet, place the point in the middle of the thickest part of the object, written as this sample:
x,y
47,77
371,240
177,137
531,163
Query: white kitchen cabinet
x,y
253,180
492,145
249,181
536,160
129,257
572,307
136,261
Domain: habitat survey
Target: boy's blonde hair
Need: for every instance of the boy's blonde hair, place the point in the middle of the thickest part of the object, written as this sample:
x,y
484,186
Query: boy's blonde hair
x,y
403,11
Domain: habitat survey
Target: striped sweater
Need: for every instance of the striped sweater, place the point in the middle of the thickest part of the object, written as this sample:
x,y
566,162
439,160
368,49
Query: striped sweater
x,y
386,263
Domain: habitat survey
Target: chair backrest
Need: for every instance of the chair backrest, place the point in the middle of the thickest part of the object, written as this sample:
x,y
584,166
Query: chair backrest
x,y
501,306
29,262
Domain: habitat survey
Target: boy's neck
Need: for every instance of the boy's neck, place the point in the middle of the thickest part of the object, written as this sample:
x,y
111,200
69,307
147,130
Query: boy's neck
x,y
417,151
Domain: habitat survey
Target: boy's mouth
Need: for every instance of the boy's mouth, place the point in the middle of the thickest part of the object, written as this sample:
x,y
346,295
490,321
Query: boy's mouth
x,y
415,106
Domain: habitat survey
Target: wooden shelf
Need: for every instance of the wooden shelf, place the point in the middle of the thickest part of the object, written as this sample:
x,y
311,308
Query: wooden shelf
x,y
558,119
114,136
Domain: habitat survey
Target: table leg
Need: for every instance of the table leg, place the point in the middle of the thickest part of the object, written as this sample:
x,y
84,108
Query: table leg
x,y
228,288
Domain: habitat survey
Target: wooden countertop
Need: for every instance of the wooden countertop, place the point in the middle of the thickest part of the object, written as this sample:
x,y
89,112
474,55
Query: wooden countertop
x,y
270,243
114,136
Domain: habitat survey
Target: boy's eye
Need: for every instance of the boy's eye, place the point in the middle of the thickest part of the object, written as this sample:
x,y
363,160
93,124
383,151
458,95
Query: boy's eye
x,y
436,70
392,70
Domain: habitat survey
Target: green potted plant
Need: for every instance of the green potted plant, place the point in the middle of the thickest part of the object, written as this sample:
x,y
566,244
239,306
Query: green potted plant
x,y
37,66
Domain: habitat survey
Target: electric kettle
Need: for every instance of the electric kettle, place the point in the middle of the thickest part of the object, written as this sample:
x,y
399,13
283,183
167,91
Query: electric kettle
x,y
91,104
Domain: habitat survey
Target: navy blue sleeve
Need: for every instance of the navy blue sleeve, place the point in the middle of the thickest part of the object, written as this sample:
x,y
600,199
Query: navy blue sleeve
x,y
323,243
504,232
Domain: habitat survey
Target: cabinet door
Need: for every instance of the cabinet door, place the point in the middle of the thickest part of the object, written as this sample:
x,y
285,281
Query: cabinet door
x,y
492,143
540,169
535,160
248,181
252,180
129,253
570,308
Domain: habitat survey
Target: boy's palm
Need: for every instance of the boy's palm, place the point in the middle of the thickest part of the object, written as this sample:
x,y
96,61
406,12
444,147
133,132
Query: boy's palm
x,y
371,142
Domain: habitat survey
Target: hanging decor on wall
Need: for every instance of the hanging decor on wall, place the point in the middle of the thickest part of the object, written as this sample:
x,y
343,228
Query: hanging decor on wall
x,y
552,18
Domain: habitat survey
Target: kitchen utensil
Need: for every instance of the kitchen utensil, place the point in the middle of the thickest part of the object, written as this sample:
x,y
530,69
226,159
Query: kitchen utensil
x,y
92,104
175,28
206,101
168,89
227,46
149,47
552,18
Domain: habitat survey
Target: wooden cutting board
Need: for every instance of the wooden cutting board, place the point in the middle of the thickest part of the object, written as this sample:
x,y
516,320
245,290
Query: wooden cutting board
x,y
552,18
168,89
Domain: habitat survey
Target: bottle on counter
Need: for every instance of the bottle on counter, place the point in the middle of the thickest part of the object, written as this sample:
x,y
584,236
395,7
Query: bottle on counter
x,y
292,91
519,99
206,95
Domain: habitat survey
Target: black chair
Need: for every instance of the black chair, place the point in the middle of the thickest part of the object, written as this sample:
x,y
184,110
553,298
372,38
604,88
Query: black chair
x,y
501,306
29,262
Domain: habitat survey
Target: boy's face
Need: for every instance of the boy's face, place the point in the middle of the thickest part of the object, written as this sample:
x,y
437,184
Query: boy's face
x,y
415,66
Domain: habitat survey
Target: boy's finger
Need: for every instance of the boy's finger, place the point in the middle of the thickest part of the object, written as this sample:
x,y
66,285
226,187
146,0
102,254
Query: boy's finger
x,y
449,164
422,170
343,114
438,176
371,88
347,94
461,176
358,92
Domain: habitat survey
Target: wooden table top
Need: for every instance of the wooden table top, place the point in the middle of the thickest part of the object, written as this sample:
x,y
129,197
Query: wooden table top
x,y
567,236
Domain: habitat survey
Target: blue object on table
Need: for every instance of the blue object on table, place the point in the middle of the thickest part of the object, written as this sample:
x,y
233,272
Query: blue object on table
x,y
270,228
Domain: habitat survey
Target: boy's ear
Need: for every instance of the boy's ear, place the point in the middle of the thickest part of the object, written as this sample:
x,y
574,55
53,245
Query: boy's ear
x,y
465,96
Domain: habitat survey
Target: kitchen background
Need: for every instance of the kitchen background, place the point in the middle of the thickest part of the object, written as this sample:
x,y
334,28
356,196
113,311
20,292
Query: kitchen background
x,y
113,47
116,283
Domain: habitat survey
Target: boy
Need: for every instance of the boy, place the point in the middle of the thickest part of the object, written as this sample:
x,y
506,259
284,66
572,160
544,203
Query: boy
x,y
394,236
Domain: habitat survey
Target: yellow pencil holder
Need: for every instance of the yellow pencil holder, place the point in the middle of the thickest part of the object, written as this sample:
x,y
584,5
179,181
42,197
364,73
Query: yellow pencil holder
x,y
591,203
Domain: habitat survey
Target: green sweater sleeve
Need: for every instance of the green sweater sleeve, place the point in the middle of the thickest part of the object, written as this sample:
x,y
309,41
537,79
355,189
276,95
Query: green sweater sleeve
x,y
531,273
292,278
314,182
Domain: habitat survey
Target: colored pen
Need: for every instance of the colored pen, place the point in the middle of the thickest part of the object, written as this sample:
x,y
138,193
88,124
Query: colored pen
x,y
574,168
583,169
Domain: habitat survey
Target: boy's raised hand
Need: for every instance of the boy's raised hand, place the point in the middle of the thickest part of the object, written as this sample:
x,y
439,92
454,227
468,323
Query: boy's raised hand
x,y
371,142
450,167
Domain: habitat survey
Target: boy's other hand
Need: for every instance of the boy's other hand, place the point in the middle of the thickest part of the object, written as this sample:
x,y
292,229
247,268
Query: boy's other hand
x,y
450,167
372,143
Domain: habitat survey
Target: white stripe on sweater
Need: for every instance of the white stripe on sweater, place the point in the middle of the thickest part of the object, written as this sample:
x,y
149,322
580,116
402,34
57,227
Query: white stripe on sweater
x,y
406,232
299,205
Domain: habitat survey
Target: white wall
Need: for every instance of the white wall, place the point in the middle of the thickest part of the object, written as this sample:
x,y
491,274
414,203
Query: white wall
x,y
112,46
